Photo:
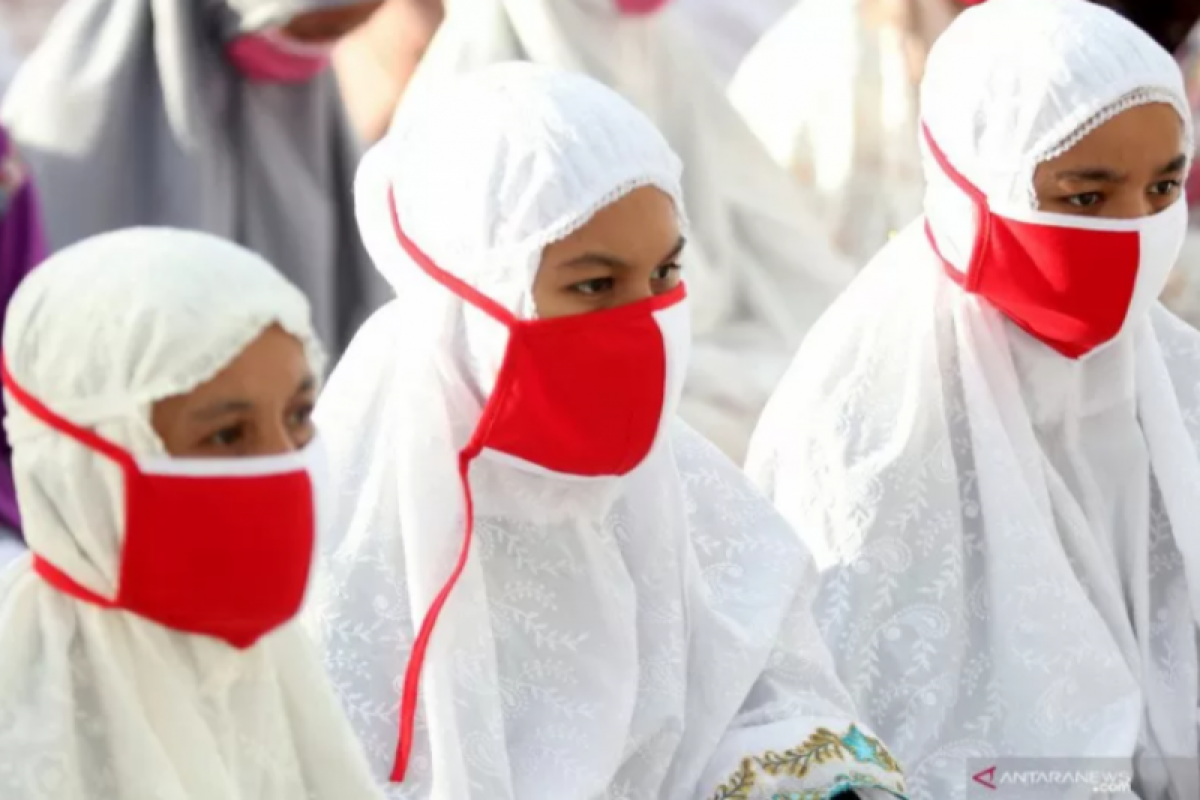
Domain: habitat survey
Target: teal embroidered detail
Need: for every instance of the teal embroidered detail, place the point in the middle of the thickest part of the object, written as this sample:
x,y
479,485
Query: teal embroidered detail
x,y
866,750
843,783
822,747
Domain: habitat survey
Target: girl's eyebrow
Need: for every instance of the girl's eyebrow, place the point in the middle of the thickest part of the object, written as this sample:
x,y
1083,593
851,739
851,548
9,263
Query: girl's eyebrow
x,y
614,262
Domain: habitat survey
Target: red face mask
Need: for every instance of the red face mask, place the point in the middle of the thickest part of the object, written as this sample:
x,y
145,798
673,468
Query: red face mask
x,y
1073,283
271,57
581,396
214,547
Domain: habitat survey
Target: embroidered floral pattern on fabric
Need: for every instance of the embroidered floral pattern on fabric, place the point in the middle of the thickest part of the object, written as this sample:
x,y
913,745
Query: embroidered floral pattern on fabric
x,y
822,747
913,580
549,679
913,590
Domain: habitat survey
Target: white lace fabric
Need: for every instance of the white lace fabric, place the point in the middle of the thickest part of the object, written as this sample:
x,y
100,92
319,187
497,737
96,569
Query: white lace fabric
x,y
1002,532
759,266
98,704
1140,96
642,637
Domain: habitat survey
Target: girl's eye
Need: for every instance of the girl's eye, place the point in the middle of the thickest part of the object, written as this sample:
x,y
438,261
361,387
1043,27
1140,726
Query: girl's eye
x,y
1165,187
1085,200
594,287
301,417
227,437
666,272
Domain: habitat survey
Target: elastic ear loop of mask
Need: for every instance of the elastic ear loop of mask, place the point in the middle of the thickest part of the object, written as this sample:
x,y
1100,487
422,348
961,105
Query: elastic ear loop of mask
x,y
416,659
45,570
969,277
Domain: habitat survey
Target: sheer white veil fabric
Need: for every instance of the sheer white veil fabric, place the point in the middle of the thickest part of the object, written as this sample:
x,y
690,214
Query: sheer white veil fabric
x,y
99,704
638,637
1003,533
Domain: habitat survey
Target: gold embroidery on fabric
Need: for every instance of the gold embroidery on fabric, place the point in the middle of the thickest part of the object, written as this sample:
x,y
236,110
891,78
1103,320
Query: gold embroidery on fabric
x,y
822,747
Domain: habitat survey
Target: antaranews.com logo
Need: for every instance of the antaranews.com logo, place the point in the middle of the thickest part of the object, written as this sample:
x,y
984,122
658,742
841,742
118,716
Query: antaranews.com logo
x,y
1035,778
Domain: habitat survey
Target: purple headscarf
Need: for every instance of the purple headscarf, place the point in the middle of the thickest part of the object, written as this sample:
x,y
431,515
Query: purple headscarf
x,y
22,247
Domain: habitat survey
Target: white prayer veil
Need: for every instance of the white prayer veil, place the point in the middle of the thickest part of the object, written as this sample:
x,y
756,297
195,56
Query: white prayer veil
x,y
996,524
100,704
761,268
636,637
1005,535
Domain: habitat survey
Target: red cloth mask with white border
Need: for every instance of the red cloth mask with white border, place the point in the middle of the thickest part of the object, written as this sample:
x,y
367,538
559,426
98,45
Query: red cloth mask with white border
x,y
584,396
217,547
1074,283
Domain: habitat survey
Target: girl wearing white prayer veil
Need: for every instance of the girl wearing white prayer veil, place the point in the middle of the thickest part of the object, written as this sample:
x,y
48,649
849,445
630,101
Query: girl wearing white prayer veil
x,y
761,268
158,384
544,585
992,441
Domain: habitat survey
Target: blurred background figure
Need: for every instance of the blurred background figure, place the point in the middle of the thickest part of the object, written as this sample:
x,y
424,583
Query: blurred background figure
x,y
375,62
1168,22
759,266
1173,24
727,29
22,238
26,21
22,24
22,247
831,92
10,58
213,115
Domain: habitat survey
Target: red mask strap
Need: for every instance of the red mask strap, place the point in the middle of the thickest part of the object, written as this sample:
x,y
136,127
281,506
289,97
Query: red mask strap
x,y
416,659
47,571
468,293
978,197
68,585
87,438
969,276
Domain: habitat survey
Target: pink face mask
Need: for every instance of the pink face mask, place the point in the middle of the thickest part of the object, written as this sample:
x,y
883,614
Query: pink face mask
x,y
271,57
639,7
